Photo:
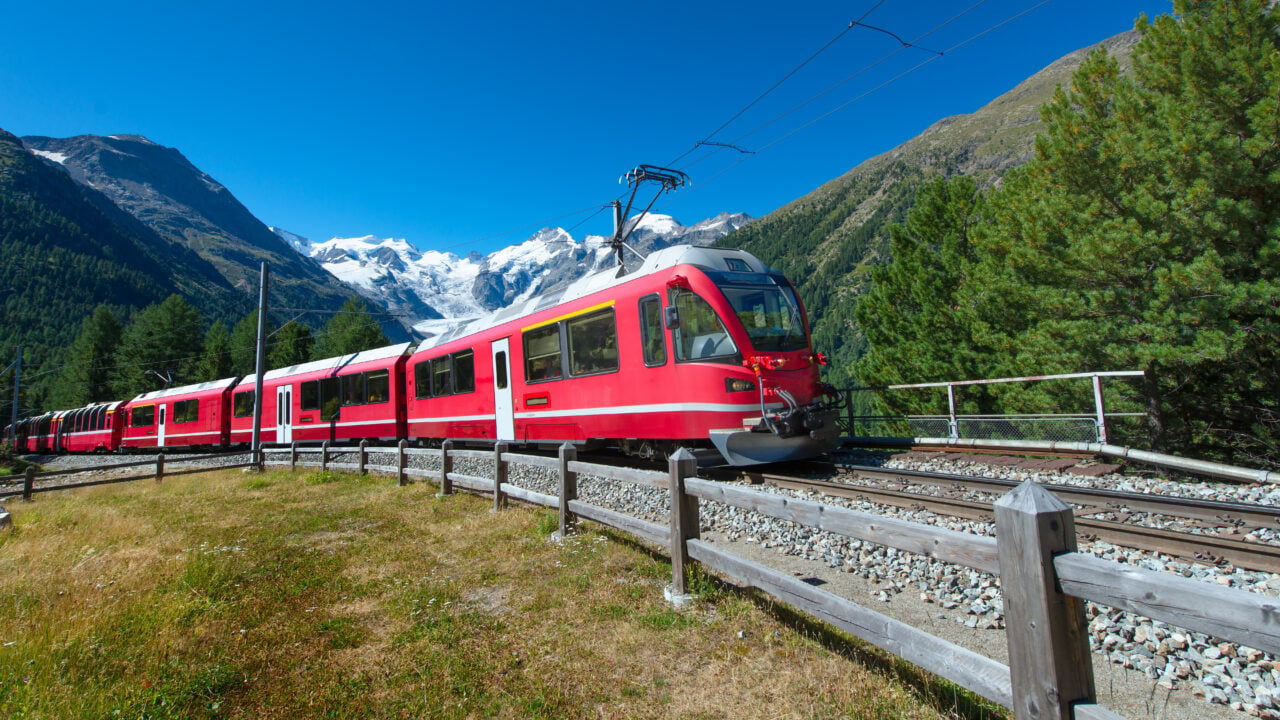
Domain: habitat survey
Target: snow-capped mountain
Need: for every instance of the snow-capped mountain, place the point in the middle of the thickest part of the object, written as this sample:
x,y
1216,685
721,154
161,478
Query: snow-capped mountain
x,y
432,285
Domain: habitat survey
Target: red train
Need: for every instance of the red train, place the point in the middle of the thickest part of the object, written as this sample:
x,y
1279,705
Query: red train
x,y
697,347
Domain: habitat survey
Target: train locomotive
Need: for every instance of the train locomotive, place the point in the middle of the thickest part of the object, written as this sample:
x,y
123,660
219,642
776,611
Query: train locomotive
x,y
696,347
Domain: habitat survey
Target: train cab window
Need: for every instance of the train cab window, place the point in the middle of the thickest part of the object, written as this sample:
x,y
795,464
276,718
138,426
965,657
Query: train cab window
x,y
377,386
652,338
442,376
542,354
142,416
464,371
593,344
770,315
701,335
242,404
185,411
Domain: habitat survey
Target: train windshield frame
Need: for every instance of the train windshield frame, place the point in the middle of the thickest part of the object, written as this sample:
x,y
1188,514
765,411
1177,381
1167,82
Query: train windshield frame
x,y
767,308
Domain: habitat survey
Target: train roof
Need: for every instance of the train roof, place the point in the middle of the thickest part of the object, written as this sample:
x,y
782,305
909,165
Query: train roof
x,y
334,363
708,258
187,389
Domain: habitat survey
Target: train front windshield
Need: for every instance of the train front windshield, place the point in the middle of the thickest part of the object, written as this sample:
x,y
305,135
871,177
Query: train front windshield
x,y
767,308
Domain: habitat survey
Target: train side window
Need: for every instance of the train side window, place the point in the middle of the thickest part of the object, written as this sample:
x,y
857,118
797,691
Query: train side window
x,y
352,389
464,371
242,404
422,379
185,411
330,398
441,376
142,416
653,340
500,365
542,354
701,334
377,386
593,344
309,395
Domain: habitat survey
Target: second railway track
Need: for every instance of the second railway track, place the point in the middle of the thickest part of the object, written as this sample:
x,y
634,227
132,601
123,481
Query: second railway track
x,y
1119,511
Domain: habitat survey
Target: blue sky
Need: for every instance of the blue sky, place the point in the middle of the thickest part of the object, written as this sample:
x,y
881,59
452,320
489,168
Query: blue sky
x,y
468,126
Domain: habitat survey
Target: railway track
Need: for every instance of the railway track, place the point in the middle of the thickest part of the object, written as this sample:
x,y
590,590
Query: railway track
x,y
1111,516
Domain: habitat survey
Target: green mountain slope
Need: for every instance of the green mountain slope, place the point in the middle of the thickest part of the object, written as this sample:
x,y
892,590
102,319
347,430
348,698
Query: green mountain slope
x,y
828,240
160,187
65,248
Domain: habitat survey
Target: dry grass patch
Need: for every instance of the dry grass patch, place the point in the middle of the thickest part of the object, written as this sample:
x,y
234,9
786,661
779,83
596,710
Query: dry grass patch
x,y
309,595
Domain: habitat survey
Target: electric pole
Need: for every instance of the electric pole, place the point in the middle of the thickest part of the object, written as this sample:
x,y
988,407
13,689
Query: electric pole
x,y
259,369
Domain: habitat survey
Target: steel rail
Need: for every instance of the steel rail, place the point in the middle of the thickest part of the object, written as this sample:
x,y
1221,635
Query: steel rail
x,y
1216,511
1203,548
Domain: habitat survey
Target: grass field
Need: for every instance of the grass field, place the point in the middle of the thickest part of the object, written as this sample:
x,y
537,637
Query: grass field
x,y
321,595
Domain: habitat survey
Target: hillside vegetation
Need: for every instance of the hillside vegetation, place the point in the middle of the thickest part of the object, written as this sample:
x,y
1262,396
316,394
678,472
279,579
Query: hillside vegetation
x,y
65,249
829,240
1144,234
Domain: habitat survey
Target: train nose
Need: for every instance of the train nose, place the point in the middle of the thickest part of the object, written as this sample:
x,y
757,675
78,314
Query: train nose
x,y
789,435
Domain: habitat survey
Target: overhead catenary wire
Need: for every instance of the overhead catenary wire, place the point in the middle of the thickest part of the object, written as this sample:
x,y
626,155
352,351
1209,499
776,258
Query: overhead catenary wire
x,y
777,84
943,53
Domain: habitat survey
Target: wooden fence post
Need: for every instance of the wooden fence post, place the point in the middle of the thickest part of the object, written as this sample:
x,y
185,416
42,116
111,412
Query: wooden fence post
x,y
159,467
293,456
29,483
402,478
1049,662
568,490
324,456
364,453
499,476
446,467
684,521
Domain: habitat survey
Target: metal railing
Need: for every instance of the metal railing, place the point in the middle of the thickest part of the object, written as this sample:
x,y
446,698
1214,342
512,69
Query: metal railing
x,y
1088,427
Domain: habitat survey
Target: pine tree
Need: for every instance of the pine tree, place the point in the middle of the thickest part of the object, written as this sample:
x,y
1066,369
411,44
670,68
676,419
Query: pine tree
x,y
351,330
917,329
215,362
291,345
87,377
244,344
163,344
1146,232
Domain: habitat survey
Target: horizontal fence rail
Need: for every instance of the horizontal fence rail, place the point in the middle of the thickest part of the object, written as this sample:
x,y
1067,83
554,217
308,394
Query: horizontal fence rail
x,y
1044,580
159,472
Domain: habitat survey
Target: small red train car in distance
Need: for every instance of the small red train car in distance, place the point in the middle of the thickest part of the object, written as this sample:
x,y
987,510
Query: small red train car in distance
x,y
181,416
341,399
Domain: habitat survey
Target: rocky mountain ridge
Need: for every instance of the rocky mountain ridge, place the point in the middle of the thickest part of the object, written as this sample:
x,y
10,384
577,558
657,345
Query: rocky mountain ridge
x,y
433,285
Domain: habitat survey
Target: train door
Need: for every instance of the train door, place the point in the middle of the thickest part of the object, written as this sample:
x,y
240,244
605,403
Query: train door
x,y
284,414
502,402
160,426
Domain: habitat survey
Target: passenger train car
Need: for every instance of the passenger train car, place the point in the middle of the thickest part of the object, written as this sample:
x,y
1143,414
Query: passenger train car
x,y
695,347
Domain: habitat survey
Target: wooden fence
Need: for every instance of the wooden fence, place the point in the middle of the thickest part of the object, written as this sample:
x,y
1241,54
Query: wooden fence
x,y
1044,580
158,472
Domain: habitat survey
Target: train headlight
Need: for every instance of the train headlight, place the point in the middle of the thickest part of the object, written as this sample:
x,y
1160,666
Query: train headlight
x,y
738,385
